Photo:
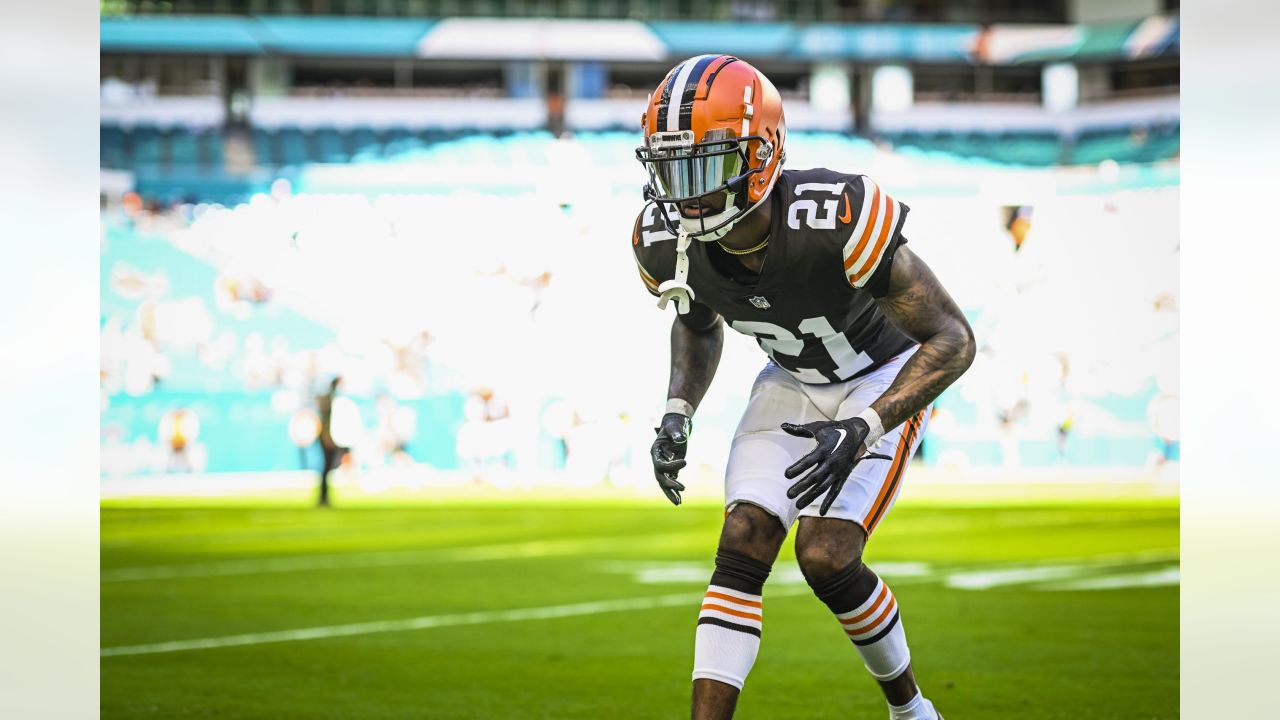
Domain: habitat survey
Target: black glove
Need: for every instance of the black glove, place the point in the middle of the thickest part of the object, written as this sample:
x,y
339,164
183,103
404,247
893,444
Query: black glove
x,y
839,442
668,453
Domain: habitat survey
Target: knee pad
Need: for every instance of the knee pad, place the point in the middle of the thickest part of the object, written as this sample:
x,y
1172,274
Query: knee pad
x,y
740,572
847,588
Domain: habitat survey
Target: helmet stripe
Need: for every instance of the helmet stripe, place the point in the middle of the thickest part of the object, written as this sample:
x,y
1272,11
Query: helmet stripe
x,y
665,102
678,89
728,60
691,90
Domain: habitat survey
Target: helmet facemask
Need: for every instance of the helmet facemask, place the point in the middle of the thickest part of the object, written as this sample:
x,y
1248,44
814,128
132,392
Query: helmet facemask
x,y
682,171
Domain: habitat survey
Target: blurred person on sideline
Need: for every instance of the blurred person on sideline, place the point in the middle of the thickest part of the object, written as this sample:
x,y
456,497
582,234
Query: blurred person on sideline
x,y
862,338
484,440
331,452
179,429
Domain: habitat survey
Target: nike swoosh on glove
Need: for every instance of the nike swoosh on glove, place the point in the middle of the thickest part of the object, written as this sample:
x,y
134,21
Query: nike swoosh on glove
x,y
668,453
839,450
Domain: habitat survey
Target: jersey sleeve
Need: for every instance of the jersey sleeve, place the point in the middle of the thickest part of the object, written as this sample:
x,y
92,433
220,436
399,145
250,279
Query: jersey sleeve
x,y
650,283
877,222
649,257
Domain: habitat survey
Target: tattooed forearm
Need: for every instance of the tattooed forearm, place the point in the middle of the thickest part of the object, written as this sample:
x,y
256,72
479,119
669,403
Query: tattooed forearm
x,y
695,355
919,305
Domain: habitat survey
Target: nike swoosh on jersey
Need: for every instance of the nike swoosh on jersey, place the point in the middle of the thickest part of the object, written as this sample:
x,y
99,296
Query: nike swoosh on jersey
x,y
847,216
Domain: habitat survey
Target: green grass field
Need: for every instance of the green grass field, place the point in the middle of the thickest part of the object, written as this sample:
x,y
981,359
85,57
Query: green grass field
x,y
586,610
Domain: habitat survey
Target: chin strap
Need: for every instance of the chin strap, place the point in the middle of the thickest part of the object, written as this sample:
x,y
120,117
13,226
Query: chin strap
x,y
677,288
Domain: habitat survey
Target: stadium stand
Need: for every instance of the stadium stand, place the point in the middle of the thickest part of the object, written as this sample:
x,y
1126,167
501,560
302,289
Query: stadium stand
x,y
231,282
145,147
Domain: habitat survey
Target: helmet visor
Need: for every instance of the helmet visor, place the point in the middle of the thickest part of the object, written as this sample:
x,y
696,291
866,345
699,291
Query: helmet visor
x,y
682,169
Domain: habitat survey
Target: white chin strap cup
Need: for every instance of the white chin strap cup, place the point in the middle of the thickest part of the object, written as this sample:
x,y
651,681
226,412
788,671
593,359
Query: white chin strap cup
x,y
678,291
677,288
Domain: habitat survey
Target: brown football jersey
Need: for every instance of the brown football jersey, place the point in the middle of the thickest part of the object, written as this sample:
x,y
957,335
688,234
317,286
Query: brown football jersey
x,y
812,306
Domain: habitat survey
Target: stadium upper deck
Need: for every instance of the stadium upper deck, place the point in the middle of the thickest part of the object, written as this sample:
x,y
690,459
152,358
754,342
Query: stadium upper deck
x,y
736,10
246,92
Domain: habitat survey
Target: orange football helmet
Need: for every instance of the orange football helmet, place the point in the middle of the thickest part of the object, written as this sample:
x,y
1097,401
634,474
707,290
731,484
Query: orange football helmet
x,y
713,125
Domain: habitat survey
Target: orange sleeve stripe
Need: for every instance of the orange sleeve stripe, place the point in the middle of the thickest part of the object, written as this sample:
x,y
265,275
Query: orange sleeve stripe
x,y
899,460
732,599
884,235
884,590
731,611
646,277
888,608
852,257
904,446
644,274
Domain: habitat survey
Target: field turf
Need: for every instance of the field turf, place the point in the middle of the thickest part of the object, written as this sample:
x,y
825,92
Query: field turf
x,y
585,610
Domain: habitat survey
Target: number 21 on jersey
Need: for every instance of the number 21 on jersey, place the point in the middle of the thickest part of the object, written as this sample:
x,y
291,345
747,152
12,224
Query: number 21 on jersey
x,y
784,347
809,208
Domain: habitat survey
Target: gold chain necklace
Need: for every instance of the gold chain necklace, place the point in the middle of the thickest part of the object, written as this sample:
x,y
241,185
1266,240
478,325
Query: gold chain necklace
x,y
748,251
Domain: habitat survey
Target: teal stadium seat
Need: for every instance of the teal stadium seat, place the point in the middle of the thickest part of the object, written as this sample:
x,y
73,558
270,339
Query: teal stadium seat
x,y
146,147
1094,146
1019,148
265,147
183,150
112,153
329,147
1161,142
293,147
395,138
1038,149
401,141
365,144
211,147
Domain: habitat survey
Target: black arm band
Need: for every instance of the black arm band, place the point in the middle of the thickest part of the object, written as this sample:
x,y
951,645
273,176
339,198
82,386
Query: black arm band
x,y
700,318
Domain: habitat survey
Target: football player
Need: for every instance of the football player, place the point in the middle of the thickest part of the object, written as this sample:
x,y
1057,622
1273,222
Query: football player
x,y
861,339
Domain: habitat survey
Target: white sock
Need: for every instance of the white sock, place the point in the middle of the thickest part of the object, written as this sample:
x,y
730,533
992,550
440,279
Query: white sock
x,y
876,629
728,636
918,708
729,622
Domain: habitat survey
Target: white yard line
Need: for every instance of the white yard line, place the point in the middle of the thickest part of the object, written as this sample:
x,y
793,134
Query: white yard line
x,y
1044,571
990,577
1155,578
422,623
987,579
504,551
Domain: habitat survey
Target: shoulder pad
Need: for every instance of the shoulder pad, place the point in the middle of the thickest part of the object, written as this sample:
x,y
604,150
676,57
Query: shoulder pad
x,y
877,220
654,257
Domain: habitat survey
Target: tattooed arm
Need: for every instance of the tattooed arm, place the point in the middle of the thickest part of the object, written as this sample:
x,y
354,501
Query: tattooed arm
x,y
920,307
696,341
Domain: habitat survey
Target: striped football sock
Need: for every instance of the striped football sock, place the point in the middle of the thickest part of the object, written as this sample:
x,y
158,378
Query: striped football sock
x,y
729,623
868,613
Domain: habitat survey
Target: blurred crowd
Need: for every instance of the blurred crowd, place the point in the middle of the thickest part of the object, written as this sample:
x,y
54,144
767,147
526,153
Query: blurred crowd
x,y
504,338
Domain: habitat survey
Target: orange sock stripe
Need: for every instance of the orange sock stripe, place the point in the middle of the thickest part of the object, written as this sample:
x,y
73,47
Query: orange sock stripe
x,y
888,610
731,611
884,590
732,599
